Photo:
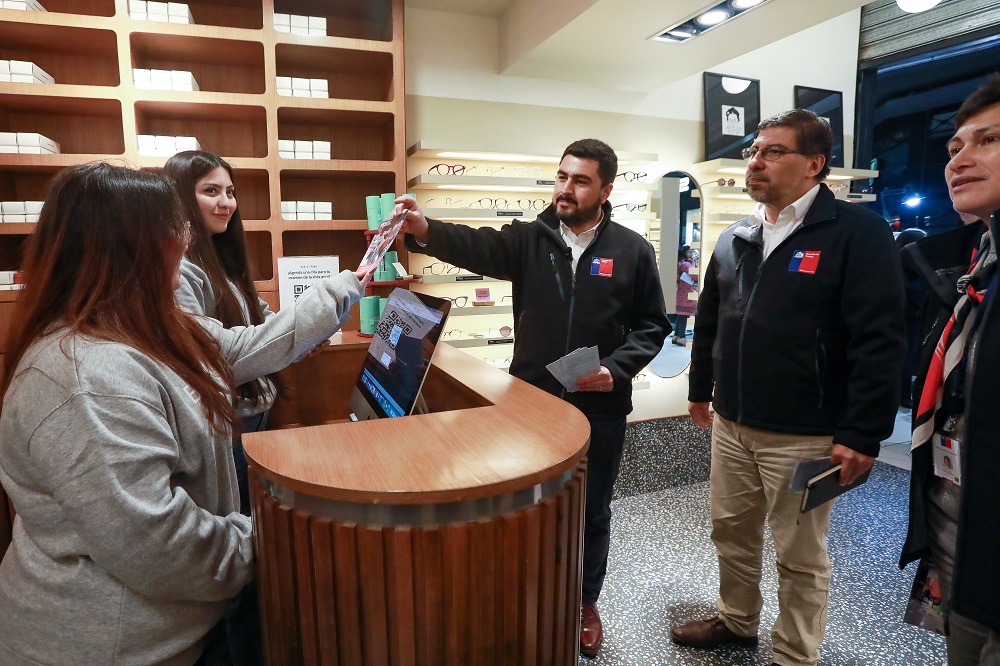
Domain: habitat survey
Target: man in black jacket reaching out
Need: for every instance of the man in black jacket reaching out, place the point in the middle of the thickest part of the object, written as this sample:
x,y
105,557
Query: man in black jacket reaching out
x,y
799,344
578,280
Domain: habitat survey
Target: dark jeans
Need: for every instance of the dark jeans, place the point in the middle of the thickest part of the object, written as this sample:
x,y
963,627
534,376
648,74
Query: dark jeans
x,y
607,439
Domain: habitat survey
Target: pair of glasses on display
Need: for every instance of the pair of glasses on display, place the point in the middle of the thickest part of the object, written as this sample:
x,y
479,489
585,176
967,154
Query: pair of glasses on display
x,y
639,378
632,176
631,207
448,202
443,169
489,203
769,153
458,301
722,182
524,172
502,332
440,268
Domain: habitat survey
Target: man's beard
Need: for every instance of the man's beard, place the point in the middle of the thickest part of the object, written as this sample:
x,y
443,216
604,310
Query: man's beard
x,y
578,217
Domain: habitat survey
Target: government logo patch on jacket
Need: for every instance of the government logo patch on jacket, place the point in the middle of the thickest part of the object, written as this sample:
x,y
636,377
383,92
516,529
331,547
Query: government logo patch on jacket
x,y
602,267
804,261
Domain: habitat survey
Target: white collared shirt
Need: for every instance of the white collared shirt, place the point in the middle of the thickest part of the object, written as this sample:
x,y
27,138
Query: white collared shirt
x,y
789,219
577,243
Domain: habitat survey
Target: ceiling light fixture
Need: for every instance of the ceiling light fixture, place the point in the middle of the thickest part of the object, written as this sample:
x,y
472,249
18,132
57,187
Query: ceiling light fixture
x,y
708,19
916,6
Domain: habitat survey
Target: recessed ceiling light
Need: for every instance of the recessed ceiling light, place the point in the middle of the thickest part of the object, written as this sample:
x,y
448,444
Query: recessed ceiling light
x,y
680,33
916,6
713,17
745,4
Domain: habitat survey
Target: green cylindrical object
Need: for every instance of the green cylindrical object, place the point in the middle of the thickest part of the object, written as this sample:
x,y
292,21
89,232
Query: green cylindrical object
x,y
373,209
381,306
388,260
388,202
369,314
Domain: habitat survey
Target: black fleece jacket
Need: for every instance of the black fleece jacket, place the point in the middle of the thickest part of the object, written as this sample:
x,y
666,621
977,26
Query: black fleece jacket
x,y
811,340
557,311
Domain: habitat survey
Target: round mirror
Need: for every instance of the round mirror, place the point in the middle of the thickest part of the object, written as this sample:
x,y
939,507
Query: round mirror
x,y
679,207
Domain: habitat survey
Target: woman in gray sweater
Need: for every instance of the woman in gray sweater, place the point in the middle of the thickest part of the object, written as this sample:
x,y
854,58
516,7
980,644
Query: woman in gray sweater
x,y
115,431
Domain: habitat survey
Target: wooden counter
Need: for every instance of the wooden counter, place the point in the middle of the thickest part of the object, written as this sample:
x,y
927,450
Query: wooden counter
x,y
452,537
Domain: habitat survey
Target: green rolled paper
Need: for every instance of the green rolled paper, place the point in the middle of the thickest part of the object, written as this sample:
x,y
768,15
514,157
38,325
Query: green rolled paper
x,y
373,209
381,306
388,260
388,202
369,314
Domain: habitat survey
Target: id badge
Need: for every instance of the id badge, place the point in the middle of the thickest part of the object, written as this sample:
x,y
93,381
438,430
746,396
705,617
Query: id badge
x,y
947,458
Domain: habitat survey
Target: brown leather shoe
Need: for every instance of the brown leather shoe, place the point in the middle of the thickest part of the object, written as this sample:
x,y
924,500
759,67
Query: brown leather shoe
x,y
709,633
591,631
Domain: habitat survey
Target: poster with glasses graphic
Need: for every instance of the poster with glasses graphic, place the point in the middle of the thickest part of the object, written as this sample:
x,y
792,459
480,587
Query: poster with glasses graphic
x,y
732,111
827,104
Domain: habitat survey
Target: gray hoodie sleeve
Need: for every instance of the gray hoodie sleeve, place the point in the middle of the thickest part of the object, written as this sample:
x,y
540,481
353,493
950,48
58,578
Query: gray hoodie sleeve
x,y
255,351
113,486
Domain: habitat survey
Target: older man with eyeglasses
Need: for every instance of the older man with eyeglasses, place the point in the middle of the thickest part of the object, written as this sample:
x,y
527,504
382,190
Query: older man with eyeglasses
x,y
799,345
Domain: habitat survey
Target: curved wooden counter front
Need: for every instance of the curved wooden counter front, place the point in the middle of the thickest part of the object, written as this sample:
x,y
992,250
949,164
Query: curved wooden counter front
x,y
452,537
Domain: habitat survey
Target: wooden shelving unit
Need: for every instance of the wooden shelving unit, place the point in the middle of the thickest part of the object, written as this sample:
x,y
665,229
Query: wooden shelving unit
x,y
94,111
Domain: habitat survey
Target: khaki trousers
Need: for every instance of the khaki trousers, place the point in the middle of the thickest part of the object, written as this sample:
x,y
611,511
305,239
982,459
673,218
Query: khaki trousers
x,y
749,479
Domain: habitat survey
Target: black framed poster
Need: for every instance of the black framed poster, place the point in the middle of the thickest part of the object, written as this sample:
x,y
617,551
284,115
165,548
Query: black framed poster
x,y
827,104
732,112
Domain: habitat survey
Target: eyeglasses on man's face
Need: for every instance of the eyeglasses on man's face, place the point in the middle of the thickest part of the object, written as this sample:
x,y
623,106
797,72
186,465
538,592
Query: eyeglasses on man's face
x,y
769,153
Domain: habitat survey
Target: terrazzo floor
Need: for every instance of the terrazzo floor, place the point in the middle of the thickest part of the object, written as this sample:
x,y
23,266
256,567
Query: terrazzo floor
x,y
663,570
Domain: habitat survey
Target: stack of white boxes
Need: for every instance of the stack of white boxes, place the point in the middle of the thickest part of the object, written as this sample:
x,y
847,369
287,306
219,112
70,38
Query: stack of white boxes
x,y
30,143
20,211
307,210
162,12
11,280
23,5
164,79
303,150
300,25
22,71
297,87
166,146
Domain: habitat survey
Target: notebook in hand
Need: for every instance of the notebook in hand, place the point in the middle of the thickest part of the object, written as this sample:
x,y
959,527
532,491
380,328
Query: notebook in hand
x,y
825,486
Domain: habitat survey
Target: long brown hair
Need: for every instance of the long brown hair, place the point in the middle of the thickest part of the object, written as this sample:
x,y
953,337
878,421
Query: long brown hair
x,y
222,256
100,262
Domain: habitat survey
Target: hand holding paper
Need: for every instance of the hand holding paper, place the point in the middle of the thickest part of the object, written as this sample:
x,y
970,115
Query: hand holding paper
x,y
571,367
382,240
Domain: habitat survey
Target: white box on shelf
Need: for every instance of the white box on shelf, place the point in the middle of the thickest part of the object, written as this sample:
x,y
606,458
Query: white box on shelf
x,y
303,146
186,143
179,12
31,150
317,25
319,94
319,84
147,144
159,18
8,149
286,144
138,16
321,146
13,207
137,6
281,19
160,79
287,154
15,4
143,78
165,145
308,207
4,66
298,92
33,207
16,219
283,28
285,92
29,69
283,82
31,218
297,21
183,80
300,83
8,139
321,156
323,208
20,67
23,78
154,7
36,140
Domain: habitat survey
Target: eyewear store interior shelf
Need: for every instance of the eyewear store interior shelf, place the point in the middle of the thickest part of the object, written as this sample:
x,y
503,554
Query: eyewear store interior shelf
x,y
94,110
479,188
724,199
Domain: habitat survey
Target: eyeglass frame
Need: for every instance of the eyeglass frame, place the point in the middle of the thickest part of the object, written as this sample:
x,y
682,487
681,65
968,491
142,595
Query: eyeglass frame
x,y
445,270
533,204
751,152
632,176
722,182
494,203
449,169
641,208
453,334
458,301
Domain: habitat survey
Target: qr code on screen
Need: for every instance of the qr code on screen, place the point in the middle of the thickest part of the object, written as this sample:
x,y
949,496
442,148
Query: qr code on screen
x,y
390,320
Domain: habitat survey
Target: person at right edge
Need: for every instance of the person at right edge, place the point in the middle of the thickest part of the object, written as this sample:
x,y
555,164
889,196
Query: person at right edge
x,y
800,333
578,281
954,525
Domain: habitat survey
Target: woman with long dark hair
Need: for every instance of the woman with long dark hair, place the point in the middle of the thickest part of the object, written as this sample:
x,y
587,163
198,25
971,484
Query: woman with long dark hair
x,y
115,431
216,279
